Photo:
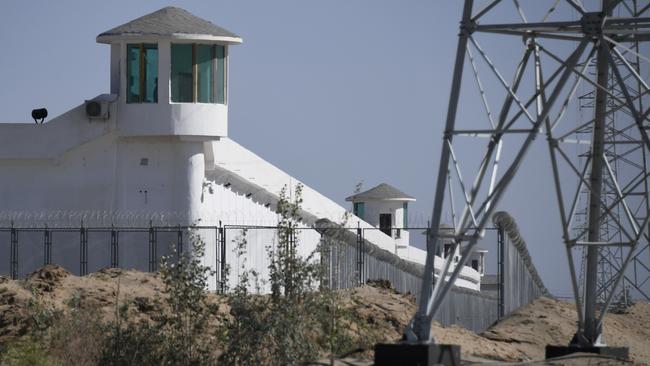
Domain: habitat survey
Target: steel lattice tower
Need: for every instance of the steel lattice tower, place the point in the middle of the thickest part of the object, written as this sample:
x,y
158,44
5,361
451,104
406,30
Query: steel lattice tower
x,y
626,156
553,47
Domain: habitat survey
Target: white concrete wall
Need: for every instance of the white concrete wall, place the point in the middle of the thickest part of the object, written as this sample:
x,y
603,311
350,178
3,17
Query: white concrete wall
x,y
106,175
55,137
207,121
82,179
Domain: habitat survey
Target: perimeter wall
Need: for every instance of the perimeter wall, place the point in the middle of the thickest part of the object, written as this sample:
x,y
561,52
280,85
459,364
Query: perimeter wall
x,y
519,282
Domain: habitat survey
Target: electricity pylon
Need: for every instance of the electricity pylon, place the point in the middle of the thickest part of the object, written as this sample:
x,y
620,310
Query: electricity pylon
x,y
559,42
627,159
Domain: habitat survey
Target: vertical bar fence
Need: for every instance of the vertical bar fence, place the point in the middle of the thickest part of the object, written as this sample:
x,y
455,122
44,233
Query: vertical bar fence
x,y
350,260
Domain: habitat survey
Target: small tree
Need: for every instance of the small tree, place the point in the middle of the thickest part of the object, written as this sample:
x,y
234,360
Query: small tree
x,y
186,281
244,332
300,318
274,329
332,315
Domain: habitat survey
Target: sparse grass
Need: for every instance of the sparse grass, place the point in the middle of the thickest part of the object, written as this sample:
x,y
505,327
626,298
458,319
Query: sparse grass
x,y
78,338
27,352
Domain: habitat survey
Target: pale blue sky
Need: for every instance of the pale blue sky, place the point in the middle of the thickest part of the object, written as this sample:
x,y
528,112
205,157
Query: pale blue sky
x,y
333,92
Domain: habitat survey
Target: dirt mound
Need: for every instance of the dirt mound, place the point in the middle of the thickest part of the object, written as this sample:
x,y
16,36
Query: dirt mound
x,y
56,288
383,312
548,321
13,310
46,278
387,313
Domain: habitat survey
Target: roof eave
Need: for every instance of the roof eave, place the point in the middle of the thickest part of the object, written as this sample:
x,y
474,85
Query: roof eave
x,y
365,199
112,38
406,199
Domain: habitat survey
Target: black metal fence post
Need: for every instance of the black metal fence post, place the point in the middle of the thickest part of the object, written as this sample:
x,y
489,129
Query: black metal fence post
x,y
222,245
114,248
179,243
363,256
500,272
47,246
217,278
153,255
13,261
359,254
83,250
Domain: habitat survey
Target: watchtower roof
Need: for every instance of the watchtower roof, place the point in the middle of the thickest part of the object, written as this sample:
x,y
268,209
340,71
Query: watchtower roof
x,y
170,22
382,192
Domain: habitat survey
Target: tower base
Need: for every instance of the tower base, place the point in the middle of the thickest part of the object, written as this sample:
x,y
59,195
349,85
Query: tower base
x,y
417,354
621,353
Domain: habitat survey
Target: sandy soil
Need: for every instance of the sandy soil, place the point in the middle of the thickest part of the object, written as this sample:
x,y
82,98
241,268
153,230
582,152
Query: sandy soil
x,y
520,337
548,321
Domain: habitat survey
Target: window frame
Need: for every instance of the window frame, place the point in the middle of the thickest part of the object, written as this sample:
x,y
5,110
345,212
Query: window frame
x,y
195,72
142,67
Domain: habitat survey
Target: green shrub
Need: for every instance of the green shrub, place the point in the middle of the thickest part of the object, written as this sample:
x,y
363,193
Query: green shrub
x,y
132,344
302,317
27,352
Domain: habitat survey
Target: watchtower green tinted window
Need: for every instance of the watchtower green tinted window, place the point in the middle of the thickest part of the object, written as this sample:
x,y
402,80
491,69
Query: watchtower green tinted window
x,y
205,77
359,209
133,74
198,73
182,80
151,73
220,52
142,73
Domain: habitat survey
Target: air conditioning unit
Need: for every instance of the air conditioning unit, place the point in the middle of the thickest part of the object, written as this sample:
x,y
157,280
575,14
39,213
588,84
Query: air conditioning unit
x,y
97,109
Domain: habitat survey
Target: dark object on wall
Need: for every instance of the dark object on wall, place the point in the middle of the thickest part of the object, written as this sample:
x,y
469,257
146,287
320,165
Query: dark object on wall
x,y
39,114
93,108
96,109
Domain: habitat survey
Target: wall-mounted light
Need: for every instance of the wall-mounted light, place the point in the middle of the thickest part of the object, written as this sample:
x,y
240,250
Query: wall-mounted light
x,y
267,205
249,195
227,185
39,114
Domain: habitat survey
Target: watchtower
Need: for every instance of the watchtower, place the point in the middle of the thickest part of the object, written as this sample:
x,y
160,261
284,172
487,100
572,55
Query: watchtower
x,y
386,208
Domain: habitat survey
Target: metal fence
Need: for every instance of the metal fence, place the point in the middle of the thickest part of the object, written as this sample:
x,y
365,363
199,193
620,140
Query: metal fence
x,y
471,309
520,283
97,247
349,259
